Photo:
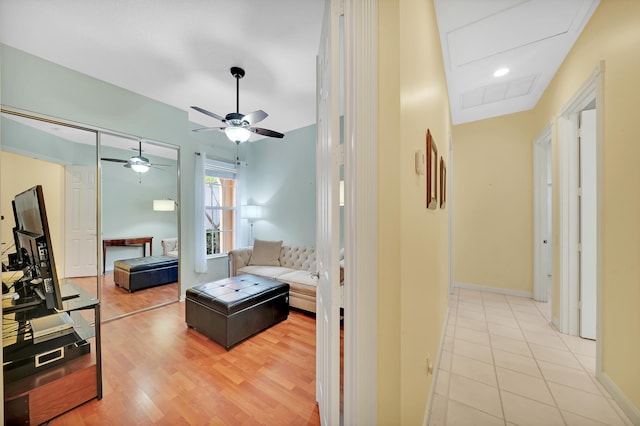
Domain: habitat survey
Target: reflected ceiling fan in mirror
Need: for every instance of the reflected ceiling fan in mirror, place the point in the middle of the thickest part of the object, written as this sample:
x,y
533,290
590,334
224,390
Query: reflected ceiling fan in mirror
x,y
239,127
137,163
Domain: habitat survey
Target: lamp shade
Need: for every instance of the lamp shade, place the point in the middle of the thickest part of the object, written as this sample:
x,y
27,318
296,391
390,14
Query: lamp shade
x,y
164,205
252,212
237,133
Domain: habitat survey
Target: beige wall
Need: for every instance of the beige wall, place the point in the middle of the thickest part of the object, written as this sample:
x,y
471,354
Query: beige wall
x,y
492,190
612,35
18,173
414,246
389,239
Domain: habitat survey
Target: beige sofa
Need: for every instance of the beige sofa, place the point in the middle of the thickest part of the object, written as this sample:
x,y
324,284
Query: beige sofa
x,y
170,247
294,265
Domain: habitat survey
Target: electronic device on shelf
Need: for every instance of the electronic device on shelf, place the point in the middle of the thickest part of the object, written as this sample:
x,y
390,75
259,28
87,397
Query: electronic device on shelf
x,y
34,248
51,326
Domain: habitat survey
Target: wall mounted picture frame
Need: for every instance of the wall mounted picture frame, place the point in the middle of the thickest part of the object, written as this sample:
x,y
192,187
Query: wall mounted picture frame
x,y
443,183
432,172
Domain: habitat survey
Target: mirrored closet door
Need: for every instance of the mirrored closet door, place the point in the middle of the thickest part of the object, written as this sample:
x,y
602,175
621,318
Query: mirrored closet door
x,y
139,216
89,177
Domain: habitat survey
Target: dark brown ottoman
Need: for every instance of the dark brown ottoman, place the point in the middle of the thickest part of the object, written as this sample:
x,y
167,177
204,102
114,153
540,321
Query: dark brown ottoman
x,y
144,272
233,309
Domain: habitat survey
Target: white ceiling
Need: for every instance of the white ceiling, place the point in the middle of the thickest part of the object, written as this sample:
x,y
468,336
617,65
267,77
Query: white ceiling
x,y
180,52
531,38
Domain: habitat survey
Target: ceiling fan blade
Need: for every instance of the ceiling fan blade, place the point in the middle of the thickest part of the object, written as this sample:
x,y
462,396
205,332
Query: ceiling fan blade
x,y
209,113
115,160
207,129
267,132
255,116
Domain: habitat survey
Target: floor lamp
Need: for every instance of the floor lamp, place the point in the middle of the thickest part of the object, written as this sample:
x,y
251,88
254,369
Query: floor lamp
x,y
252,213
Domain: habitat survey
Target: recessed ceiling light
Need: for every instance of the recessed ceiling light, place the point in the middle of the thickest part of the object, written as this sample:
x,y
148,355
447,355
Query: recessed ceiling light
x,y
500,72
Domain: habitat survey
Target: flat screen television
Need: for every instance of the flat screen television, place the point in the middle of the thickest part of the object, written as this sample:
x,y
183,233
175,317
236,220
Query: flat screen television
x,y
34,247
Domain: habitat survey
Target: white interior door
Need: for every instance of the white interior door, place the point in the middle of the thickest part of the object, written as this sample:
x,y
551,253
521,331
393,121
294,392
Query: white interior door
x,y
80,222
543,199
588,224
548,241
328,219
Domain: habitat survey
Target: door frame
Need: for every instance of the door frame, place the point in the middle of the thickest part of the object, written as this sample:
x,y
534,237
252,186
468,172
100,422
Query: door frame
x,y
541,147
592,89
361,212
327,217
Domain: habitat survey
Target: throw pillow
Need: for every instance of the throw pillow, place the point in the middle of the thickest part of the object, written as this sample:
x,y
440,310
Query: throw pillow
x,y
266,253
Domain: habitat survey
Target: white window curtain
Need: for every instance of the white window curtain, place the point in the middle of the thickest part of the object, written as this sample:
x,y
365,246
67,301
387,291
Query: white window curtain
x,y
200,236
242,233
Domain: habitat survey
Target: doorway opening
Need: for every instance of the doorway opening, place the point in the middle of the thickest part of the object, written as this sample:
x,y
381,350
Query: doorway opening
x,y
580,140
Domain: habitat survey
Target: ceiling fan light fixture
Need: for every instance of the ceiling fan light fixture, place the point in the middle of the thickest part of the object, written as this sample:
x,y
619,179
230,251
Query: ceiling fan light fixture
x,y
140,168
139,164
237,134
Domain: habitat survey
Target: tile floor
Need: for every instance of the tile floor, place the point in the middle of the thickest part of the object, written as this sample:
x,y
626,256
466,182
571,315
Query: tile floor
x,y
504,364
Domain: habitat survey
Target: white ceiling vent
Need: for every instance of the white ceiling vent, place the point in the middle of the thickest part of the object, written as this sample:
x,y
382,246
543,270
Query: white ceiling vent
x,y
497,92
529,37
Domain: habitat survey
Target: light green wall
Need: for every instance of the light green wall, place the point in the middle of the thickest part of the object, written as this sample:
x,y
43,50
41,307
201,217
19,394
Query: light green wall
x,y
281,177
26,140
38,86
126,194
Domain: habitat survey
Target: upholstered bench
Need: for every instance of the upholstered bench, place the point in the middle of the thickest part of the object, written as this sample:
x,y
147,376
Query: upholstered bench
x,y
233,309
143,272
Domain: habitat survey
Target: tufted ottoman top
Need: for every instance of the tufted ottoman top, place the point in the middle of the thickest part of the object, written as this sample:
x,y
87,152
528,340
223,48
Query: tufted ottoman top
x,y
145,263
234,294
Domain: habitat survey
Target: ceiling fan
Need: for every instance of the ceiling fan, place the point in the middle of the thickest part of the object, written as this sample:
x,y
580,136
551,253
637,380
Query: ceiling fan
x,y
239,126
137,163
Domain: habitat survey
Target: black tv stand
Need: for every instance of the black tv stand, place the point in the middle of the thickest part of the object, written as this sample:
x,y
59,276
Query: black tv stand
x,y
45,379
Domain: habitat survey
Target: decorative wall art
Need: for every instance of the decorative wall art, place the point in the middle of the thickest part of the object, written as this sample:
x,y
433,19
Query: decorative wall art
x,y
432,172
443,183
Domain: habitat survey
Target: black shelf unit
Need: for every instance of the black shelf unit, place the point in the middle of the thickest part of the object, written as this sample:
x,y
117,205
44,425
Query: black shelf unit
x,y
45,379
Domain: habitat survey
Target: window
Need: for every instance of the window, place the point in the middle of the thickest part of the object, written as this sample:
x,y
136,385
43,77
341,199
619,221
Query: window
x,y
220,207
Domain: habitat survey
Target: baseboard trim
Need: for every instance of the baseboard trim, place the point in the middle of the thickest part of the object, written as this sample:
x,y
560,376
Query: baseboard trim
x,y
618,396
555,321
436,369
505,291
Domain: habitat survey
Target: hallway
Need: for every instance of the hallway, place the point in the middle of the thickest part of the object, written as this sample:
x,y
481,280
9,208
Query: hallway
x,y
503,364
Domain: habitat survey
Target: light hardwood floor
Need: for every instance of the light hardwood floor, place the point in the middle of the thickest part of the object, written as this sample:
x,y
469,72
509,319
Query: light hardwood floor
x,y
159,371
117,301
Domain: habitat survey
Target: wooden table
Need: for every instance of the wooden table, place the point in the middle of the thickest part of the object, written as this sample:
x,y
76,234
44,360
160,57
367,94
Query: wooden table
x,y
135,241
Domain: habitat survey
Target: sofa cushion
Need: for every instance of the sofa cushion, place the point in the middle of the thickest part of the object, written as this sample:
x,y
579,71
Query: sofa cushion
x,y
266,253
264,271
300,281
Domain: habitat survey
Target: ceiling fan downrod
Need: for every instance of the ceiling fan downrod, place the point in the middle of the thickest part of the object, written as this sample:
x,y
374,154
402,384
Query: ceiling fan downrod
x,y
238,73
